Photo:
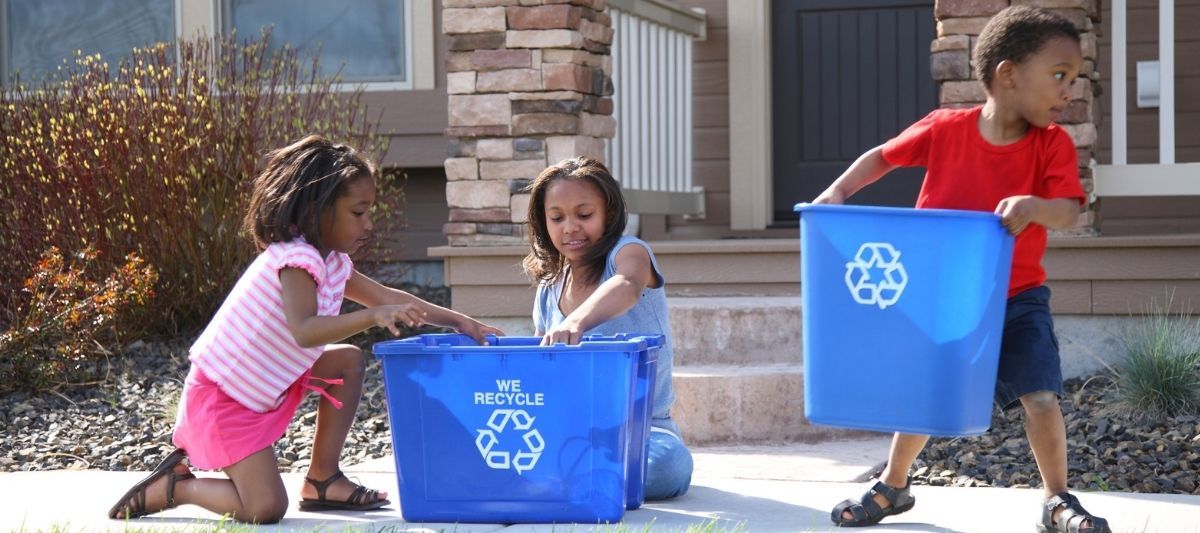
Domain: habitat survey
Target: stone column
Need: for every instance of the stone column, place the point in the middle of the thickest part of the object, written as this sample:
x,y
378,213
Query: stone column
x,y
529,85
958,25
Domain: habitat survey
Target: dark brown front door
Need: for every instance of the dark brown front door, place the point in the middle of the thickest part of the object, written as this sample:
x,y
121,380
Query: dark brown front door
x,y
847,75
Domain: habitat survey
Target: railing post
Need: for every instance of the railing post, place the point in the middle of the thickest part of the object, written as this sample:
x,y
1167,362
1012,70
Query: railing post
x,y
1120,84
1166,82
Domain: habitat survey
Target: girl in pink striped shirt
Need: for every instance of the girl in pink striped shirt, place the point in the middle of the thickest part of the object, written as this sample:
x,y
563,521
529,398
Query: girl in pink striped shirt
x,y
269,344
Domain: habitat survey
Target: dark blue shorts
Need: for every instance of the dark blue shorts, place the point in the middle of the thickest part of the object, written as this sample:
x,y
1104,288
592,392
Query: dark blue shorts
x,y
1029,350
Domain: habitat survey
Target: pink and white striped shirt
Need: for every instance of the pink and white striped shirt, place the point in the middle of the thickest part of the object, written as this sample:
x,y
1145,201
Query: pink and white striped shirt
x,y
247,349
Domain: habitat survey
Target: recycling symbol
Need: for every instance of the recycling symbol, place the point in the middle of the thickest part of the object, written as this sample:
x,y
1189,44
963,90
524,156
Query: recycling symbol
x,y
501,421
886,285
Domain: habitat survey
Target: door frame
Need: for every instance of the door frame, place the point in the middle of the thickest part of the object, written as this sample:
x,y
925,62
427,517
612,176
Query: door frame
x,y
750,112
750,155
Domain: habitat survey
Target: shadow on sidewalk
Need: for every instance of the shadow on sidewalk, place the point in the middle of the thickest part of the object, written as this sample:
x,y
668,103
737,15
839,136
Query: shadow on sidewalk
x,y
731,511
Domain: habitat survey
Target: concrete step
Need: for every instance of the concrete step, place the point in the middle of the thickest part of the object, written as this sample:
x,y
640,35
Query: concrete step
x,y
736,330
760,403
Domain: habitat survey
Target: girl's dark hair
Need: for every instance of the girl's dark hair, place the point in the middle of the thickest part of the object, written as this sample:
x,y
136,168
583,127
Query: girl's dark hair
x,y
544,263
1015,33
298,186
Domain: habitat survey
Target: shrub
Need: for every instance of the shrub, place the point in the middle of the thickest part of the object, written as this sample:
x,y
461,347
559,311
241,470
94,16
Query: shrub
x,y
1160,374
71,318
156,159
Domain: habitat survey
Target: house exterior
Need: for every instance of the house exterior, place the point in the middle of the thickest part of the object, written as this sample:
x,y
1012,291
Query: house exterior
x,y
717,116
1125,250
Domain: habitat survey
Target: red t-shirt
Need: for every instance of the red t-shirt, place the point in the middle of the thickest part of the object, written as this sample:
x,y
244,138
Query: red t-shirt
x,y
964,171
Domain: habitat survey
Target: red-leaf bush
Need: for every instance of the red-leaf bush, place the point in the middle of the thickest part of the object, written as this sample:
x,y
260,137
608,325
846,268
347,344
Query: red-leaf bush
x,y
70,317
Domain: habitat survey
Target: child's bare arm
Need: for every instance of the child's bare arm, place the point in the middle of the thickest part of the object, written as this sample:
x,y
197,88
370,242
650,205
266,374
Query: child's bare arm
x,y
310,329
611,299
865,170
371,293
1017,212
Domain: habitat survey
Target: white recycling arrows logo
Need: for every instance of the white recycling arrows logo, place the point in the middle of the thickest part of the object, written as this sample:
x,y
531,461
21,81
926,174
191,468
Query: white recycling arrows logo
x,y
498,423
884,289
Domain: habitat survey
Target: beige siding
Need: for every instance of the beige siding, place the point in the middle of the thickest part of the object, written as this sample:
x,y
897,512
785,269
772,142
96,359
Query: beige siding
x,y
1088,276
1152,215
416,121
422,213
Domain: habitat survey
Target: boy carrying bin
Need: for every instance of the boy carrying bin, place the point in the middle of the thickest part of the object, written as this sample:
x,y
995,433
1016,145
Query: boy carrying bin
x,y
1009,157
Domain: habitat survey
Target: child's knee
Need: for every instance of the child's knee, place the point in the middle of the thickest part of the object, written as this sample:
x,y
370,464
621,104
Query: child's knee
x,y
668,468
267,509
1040,403
350,360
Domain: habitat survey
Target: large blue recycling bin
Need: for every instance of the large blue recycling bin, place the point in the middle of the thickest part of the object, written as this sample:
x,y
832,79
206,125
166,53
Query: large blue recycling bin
x,y
514,432
903,313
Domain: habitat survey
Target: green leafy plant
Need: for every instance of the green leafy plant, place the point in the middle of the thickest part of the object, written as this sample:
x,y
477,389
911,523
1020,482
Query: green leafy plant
x,y
156,158
1160,374
72,319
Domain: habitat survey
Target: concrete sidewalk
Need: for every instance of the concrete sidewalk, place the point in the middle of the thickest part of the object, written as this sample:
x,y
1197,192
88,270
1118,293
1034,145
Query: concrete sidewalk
x,y
787,488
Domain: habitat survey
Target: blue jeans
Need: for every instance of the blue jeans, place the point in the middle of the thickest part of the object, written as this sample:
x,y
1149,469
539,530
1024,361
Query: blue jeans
x,y
668,463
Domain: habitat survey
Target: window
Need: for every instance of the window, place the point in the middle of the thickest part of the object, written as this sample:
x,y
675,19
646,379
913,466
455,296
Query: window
x,y
369,40
39,34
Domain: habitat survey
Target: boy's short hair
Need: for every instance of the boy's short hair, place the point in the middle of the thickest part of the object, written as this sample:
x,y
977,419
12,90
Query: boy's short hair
x,y
1014,34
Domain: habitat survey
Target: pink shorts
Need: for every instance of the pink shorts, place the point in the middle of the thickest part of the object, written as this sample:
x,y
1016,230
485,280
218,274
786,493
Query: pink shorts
x,y
216,431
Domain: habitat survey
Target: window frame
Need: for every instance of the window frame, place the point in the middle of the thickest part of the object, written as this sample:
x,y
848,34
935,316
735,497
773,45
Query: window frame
x,y
223,20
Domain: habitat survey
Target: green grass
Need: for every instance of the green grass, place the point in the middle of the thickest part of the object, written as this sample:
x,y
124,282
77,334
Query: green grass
x,y
226,525
1160,374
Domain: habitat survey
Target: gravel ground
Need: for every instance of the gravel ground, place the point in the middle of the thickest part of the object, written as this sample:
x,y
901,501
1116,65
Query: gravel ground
x,y
1107,449
125,424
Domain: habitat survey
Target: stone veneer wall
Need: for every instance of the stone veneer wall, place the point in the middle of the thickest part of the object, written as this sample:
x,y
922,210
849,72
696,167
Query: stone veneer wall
x,y
958,25
529,85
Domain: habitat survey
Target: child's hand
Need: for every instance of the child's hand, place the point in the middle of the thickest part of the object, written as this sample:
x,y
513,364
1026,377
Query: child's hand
x,y
478,330
830,196
1016,212
567,332
387,316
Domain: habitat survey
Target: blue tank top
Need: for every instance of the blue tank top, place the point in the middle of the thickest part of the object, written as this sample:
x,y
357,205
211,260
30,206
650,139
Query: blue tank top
x,y
648,315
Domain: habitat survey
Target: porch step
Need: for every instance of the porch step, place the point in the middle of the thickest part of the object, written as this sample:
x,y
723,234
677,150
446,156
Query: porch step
x,y
760,403
736,330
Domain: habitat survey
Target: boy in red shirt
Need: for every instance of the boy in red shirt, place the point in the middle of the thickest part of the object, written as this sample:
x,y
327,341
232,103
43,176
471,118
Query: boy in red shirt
x,y
1009,157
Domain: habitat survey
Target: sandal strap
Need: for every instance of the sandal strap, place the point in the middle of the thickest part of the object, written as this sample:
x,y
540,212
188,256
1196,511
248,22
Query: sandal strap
x,y
359,496
859,512
1072,516
139,502
893,495
322,485
171,488
1059,500
868,505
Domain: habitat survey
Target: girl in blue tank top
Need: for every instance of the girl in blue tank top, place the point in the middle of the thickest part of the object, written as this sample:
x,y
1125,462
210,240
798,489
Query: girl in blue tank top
x,y
592,280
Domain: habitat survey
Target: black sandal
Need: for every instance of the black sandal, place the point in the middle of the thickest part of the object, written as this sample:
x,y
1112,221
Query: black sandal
x,y
868,513
137,493
362,499
1072,517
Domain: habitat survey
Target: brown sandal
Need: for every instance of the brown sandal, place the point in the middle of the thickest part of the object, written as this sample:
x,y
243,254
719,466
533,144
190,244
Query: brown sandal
x,y
362,499
137,493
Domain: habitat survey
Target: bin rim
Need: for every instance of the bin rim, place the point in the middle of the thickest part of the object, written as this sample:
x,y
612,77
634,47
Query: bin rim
x,y
428,344
899,211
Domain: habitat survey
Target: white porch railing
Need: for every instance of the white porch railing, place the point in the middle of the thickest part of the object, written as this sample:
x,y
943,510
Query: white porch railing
x,y
1167,178
651,153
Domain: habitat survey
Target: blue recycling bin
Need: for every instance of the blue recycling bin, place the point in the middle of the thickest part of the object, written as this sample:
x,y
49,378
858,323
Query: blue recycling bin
x,y
514,432
903,313
640,416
